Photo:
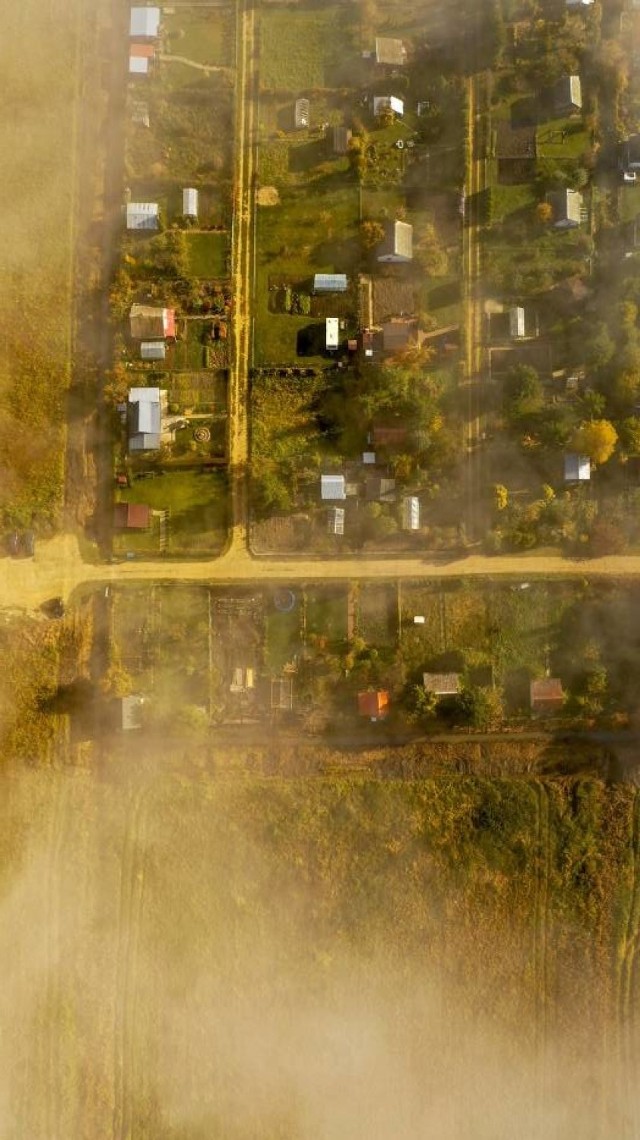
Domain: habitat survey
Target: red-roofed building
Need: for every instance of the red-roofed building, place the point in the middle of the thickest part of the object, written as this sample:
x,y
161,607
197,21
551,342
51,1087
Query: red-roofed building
x,y
547,695
389,436
375,705
131,516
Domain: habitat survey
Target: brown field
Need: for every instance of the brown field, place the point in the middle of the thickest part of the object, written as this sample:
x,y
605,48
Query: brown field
x,y
192,955
46,55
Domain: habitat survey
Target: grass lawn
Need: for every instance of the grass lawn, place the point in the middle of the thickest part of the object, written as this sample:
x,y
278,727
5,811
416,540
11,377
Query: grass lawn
x,y
628,203
208,254
190,136
305,48
197,506
201,391
562,138
207,37
327,612
377,614
282,638
309,232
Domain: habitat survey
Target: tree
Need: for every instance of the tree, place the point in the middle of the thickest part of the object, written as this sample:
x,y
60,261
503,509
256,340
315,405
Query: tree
x,y
502,496
523,392
597,439
630,435
544,213
371,233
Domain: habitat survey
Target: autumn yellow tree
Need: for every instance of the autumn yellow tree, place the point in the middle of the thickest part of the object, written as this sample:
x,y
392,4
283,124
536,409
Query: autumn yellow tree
x,y
597,439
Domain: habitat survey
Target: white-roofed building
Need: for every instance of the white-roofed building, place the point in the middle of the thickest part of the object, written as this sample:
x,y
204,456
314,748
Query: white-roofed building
x,y
138,64
387,102
153,350
398,243
190,202
332,333
577,468
332,487
144,23
336,520
142,216
301,113
131,712
145,419
411,513
330,283
516,322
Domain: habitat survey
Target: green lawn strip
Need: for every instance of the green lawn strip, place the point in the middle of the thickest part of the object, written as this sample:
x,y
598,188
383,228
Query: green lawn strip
x,y
327,612
561,138
300,50
307,233
197,505
208,254
206,37
282,638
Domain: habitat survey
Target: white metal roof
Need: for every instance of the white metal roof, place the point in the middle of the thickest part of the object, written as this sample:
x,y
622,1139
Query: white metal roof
x,y
153,350
382,101
516,321
332,332
144,22
336,520
190,202
332,487
577,468
138,65
411,512
142,215
330,282
144,395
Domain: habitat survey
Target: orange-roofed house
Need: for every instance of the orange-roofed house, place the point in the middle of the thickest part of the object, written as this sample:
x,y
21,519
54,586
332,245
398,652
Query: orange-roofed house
x,y
547,695
373,704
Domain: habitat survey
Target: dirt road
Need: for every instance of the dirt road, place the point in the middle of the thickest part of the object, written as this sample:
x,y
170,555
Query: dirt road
x,y
242,260
58,570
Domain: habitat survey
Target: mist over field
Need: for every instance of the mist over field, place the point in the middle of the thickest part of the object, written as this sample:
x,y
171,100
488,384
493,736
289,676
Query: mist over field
x,y
197,957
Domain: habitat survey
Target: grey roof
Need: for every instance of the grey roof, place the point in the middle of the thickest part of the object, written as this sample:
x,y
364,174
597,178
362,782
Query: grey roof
x,y
568,93
379,488
145,419
144,22
566,206
398,242
330,282
442,684
332,487
153,349
390,51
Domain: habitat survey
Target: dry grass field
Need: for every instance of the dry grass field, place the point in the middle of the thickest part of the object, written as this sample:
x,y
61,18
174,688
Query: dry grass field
x,y
44,50
190,955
